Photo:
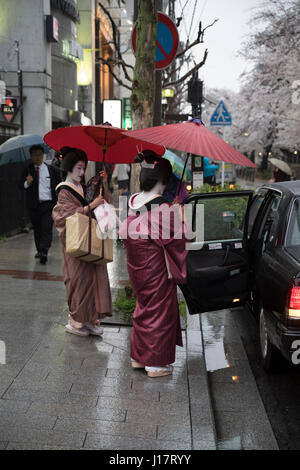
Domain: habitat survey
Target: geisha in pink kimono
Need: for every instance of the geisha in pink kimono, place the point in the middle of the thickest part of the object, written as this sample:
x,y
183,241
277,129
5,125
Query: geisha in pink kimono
x,y
156,261
87,284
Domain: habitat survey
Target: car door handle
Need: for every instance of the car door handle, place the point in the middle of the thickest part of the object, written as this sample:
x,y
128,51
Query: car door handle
x,y
226,256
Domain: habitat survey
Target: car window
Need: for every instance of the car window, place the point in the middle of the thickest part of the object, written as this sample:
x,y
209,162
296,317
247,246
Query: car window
x,y
255,206
270,223
224,218
293,237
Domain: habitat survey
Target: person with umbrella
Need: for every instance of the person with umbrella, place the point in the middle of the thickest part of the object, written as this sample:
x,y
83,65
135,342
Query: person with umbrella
x,y
281,171
39,181
87,284
209,173
156,260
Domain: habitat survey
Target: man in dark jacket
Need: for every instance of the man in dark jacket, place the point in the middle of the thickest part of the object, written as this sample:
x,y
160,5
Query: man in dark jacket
x,y
39,181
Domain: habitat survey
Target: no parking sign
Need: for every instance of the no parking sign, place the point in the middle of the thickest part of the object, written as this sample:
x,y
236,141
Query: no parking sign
x,y
167,41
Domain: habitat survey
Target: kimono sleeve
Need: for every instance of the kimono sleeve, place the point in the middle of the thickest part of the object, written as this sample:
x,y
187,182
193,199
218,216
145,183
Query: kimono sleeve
x,y
170,236
66,206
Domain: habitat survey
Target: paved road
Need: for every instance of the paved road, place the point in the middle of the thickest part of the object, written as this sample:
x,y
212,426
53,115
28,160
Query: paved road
x,y
279,391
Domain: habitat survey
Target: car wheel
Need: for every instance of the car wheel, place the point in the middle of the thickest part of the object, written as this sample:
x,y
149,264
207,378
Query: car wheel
x,y
268,352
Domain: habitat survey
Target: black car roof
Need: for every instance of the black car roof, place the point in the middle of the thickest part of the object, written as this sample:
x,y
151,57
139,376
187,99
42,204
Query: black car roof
x,y
292,187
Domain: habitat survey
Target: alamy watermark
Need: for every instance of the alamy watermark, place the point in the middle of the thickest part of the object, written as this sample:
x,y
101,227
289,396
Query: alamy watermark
x,y
296,353
165,221
2,353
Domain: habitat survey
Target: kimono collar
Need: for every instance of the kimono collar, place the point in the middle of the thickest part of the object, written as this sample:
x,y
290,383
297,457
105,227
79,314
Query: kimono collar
x,y
73,186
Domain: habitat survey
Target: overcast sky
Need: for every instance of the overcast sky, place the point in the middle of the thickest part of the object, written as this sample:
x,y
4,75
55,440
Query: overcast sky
x,y
223,40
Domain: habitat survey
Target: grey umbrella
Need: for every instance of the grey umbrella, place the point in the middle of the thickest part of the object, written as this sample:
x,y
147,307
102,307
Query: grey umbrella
x,y
283,166
16,149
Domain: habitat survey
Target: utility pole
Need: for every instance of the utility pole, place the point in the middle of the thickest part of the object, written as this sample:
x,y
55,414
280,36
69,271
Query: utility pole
x,y
195,97
20,86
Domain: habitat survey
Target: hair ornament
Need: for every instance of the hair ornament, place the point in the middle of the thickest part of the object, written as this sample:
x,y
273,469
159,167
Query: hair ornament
x,y
149,166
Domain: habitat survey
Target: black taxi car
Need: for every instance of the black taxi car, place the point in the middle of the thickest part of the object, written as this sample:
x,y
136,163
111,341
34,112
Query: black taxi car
x,y
246,248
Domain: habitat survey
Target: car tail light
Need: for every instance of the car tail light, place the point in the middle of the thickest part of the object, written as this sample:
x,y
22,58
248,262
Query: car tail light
x,y
294,303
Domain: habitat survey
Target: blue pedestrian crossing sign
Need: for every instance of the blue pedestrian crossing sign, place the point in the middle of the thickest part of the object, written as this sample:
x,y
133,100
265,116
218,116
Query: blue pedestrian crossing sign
x,y
221,116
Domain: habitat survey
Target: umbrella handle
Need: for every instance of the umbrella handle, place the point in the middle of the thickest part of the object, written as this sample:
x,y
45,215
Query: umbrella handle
x,y
181,179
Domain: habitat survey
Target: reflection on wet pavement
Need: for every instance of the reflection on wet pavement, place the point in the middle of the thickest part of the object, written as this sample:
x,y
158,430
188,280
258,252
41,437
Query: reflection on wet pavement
x,y
117,270
215,356
240,418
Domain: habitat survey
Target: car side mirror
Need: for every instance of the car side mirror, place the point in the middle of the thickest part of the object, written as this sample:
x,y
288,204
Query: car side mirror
x,y
228,216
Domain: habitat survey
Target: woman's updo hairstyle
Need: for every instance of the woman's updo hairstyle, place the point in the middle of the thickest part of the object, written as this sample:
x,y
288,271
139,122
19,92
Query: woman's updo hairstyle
x,y
153,169
71,156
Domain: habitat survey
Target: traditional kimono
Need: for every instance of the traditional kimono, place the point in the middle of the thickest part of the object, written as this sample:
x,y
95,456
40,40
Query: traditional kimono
x,y
156,261
87,284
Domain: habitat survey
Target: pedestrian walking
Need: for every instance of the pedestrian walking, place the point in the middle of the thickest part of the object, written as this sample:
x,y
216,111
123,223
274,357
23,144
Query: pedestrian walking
x,y
156,261
87,284
210,169
121,174
39,180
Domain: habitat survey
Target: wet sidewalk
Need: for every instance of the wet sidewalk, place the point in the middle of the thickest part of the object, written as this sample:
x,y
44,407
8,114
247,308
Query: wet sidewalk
x,y
60,391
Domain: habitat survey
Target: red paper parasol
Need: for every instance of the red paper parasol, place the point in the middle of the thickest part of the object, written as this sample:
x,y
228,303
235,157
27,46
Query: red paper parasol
x,y
100,143
194,138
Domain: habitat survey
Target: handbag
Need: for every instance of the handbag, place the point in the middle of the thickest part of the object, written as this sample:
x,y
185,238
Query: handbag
x,y
83,243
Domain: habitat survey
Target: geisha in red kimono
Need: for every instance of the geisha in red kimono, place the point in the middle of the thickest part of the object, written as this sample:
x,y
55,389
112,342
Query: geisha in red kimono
x,y
87,284
156,261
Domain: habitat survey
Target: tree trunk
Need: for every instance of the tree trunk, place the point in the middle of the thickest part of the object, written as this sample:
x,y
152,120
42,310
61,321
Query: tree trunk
x,y
143,90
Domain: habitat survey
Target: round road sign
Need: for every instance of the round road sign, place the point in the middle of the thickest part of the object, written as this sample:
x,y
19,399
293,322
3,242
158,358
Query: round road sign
x,y
167,41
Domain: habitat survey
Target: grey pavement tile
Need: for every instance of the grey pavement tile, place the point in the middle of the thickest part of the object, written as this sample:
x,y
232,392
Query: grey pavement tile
x,y
35,369
28,434
178,397
236,396
36,446
177,433
55,386
82,381
91,352
145,430
198,389
77,411
159,386
252,427
140,405
69,372
201,416
10,419
102,389
14,406
3,445
48,397
159,417
37,376
76,377
9,370
203,433
205,444
118,363
57,361
196,365
100,441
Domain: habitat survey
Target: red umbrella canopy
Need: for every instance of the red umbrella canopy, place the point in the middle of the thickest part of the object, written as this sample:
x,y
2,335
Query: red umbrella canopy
x,y
100,143
192,137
